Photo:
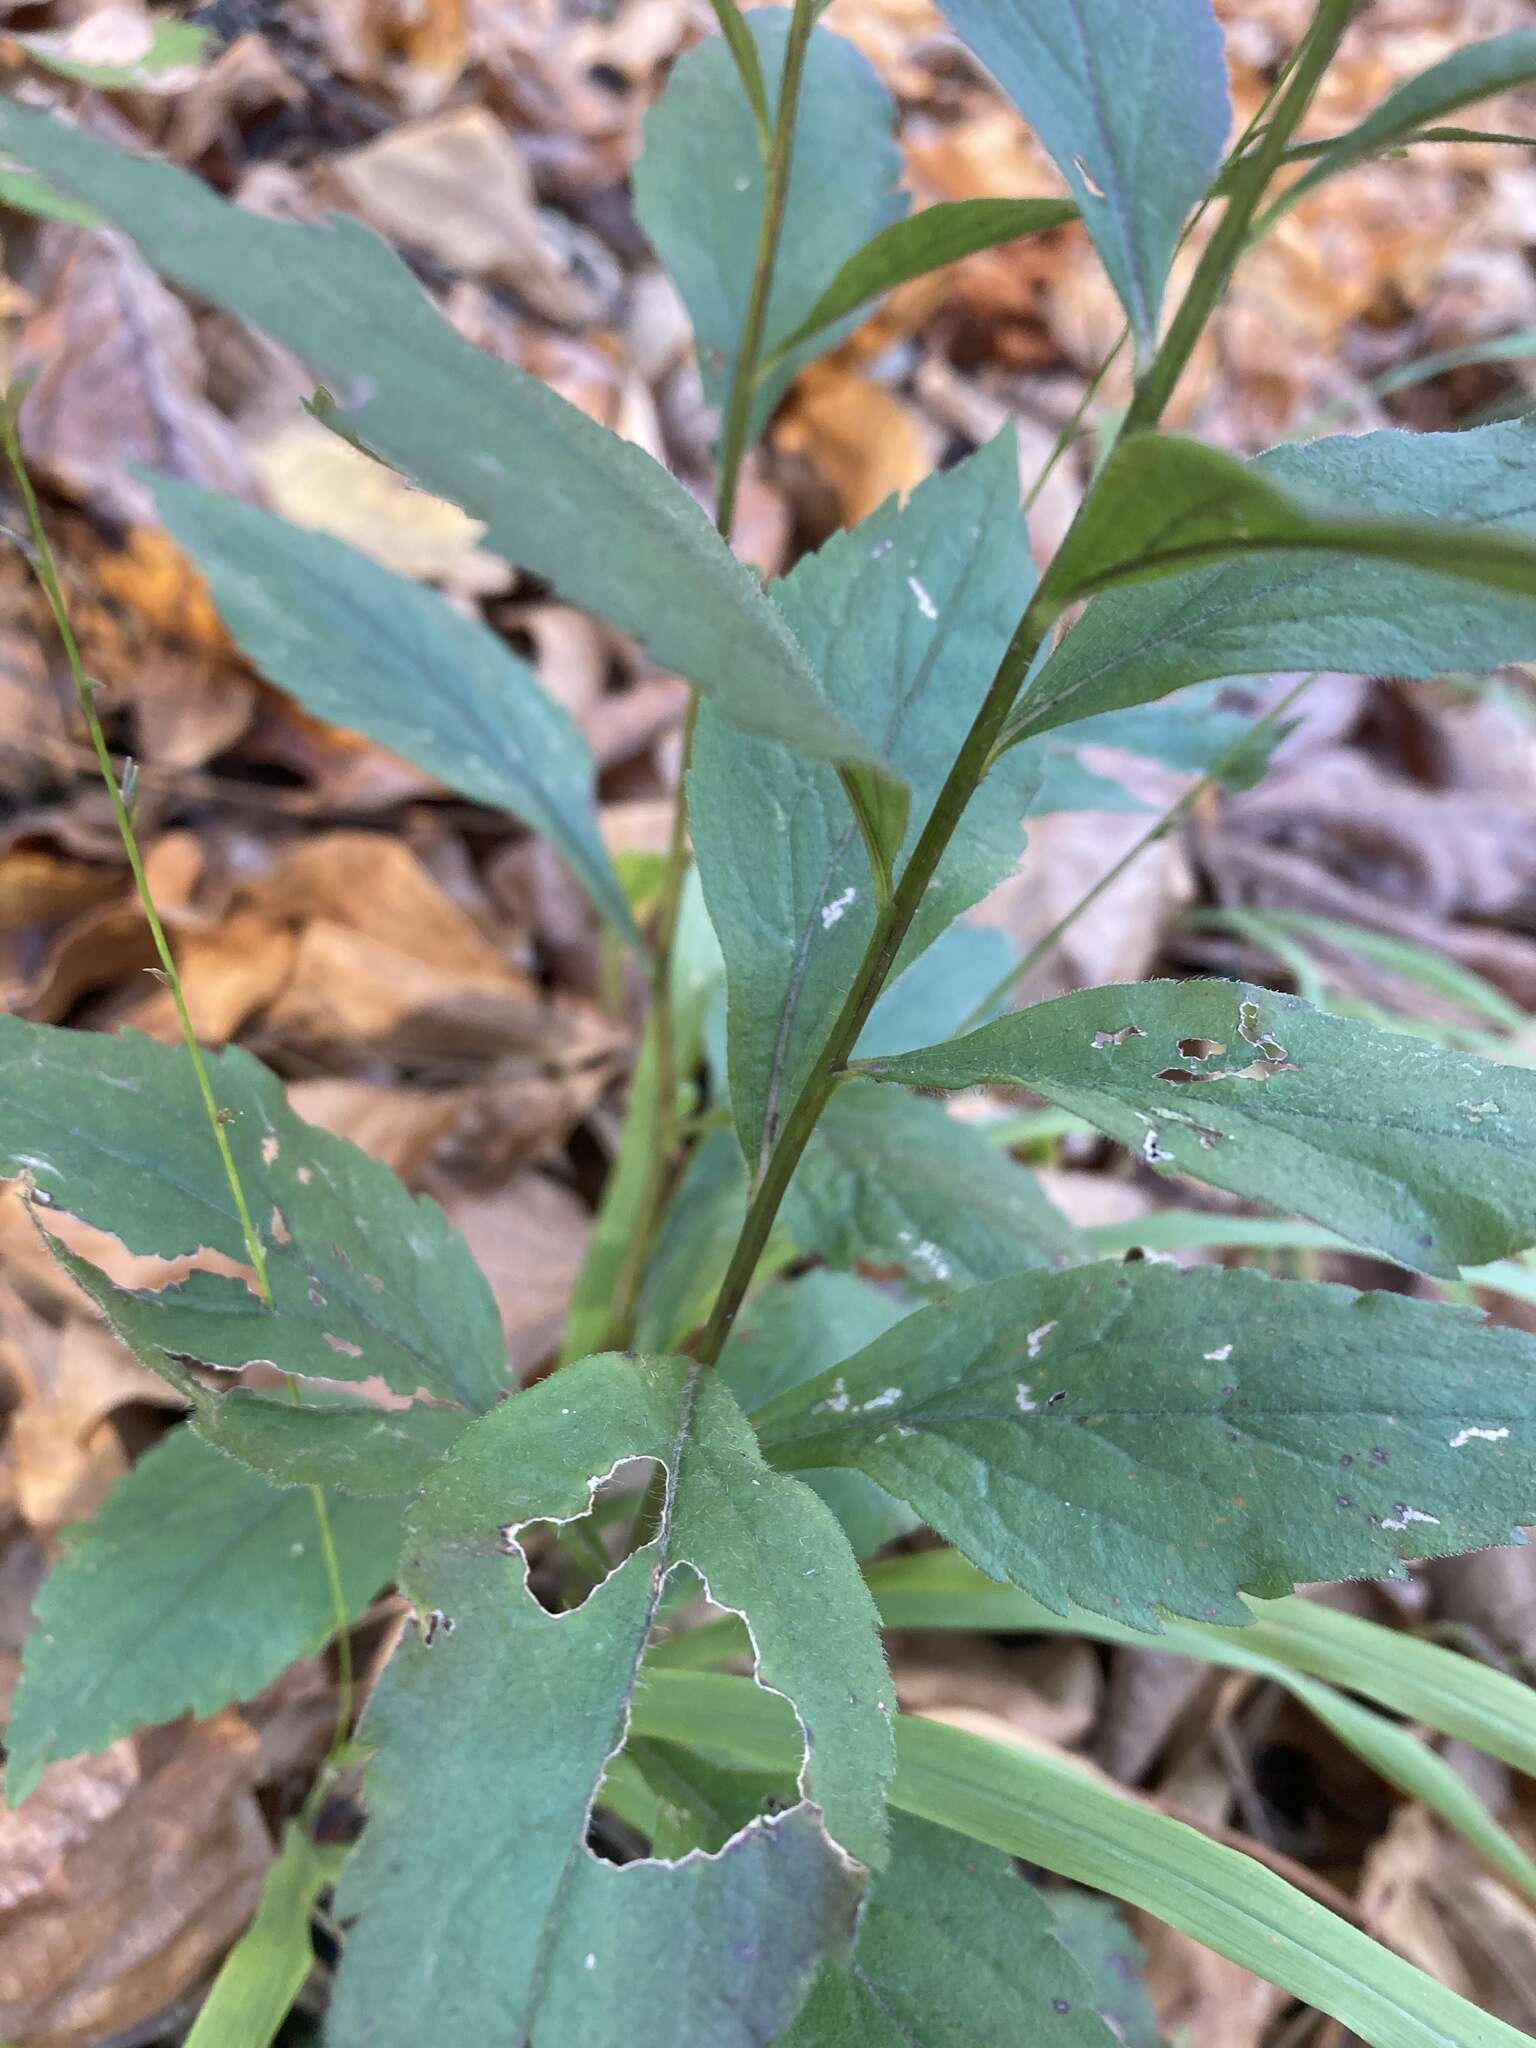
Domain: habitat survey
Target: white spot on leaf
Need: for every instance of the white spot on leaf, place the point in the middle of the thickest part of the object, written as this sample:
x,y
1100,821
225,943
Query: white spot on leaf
x,y
1219,1356
925,603
1489,1436
832,913
1036,1339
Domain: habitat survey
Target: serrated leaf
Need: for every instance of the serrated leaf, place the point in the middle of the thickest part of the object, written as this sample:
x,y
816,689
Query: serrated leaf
x,y
1475,72
928,241
790,1333
1131,101
1410,1150
366,649
900,1183
700,184
953,1949
194,1585
1299,609
905,618
473,1884
593,514
1137,1439
366,1278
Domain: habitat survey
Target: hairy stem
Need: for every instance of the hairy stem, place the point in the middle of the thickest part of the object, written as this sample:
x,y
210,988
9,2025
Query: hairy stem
x,y
46,570
1248,183
976,753
735,438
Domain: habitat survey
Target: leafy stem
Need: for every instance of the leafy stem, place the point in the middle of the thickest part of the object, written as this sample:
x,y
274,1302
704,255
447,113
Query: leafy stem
x,y
46,570
976,753
734,440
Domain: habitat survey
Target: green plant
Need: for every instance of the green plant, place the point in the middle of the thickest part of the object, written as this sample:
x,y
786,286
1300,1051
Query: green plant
x,y
1116,1449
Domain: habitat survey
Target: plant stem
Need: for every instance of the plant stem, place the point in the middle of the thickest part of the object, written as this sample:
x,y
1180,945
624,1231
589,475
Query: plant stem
x,y
735,437
975,754
46,570
1044,947
1249,181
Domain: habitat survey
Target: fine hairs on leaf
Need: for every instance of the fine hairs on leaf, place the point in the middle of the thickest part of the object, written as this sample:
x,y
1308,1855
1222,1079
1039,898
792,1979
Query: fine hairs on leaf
x,y
824,1308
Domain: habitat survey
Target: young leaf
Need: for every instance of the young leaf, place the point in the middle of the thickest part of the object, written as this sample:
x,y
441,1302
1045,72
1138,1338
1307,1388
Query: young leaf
x,y
365,1278
927,241
1303,607
1138,1439
1421,1154
475,1888
793,1332
364,648
700,182
905,618
1130,98
902,1183
1475,72
953,1949
196,1584
559,494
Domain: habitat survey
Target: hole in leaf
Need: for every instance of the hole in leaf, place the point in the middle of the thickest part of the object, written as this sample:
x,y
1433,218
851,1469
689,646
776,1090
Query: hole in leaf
x,y
566,1562
1201,1048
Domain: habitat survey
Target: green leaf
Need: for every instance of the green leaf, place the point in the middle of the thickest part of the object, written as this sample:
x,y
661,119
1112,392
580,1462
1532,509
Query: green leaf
x,y
1130,99
792,1332
478,1899
1475,72
173,45
366,1279
364,648
927,241
351,1444
939,991
905,618
700,183
593,514
1137,1439
1067,1820
1290,606
31,195
1111,1958
1415,1152
265,1970
953,1949
903,1184
194,1585
940,1590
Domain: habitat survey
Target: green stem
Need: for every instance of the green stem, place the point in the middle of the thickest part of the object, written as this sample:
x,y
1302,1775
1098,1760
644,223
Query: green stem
x,y
46,570
1249,180
1044,947
735,439
976,753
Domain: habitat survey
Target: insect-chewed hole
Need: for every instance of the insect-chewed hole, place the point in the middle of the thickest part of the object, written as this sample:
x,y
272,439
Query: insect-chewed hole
x,y
568,1561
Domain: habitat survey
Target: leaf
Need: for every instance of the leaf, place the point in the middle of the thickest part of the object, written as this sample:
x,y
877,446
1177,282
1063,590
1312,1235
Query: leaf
x,y
749,68
1475,72
925,242
1137,1439
1415,1152
1111,1958
172,45
698,1236
367,1280
905,618
903,1184
265,1970
700,186
372,651
1299,607
953,1949
31,195
476,1893
195,1585
365,1450
690,1802
792,1332
1065,1819
1131,101
954,1595
604,524
935,996
1409,1675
